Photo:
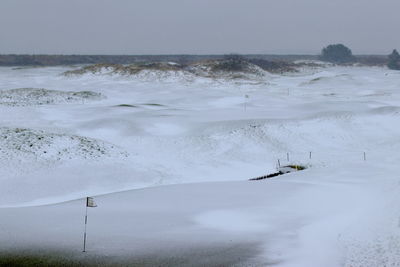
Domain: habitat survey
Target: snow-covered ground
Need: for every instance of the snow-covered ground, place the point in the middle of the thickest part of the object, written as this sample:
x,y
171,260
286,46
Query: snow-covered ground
x,y
168,162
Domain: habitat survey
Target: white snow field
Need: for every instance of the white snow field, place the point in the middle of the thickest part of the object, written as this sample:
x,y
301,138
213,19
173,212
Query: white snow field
x,y
168,158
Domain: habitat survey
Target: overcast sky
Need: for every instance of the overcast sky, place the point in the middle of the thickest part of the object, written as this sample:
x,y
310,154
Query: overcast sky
x,y
197,26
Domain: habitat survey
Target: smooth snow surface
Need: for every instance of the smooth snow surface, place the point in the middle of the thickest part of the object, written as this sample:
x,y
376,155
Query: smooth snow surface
x,y
168,162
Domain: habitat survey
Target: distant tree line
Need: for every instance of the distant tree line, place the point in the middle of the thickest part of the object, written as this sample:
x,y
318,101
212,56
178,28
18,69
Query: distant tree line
x,y
55,60
340,54
335,53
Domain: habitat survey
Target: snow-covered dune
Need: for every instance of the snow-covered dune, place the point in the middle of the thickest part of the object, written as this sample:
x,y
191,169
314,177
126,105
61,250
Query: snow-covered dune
x,y
193,146
172,72
20,143
35,96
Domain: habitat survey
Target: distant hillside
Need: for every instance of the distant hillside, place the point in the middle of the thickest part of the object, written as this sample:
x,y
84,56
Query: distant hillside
x,y
55,60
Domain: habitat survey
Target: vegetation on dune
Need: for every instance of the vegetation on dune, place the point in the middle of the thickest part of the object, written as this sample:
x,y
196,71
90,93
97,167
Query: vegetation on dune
x,y
238,63
371,60
41,96
125,69
231,63
233,66
275,66
45,146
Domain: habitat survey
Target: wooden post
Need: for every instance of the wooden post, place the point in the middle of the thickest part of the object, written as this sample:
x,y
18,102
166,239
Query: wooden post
x,y
287,156
365,156
310,154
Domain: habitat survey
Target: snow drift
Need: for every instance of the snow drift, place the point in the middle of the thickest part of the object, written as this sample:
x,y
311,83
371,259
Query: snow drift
x,y
40,96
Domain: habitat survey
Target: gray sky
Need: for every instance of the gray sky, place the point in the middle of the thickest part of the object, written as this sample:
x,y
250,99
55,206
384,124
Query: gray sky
x,y
197,26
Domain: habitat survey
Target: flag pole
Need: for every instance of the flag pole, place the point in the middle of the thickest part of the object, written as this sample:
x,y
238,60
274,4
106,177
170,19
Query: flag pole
x,y
84,234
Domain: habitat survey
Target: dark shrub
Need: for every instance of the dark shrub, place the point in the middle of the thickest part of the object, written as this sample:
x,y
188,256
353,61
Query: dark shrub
x,y
233,63
394,60
337,53
274,66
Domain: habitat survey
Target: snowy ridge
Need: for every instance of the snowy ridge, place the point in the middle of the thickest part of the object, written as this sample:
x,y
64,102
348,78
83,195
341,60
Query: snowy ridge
x,y
163,76
23,144
142,75
171,72
40,96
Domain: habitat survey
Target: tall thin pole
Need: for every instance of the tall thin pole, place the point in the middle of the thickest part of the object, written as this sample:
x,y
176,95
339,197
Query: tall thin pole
x,y
84,234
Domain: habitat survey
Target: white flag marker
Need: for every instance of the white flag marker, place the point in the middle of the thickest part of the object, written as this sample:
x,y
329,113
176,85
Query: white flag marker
x,y
91,204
